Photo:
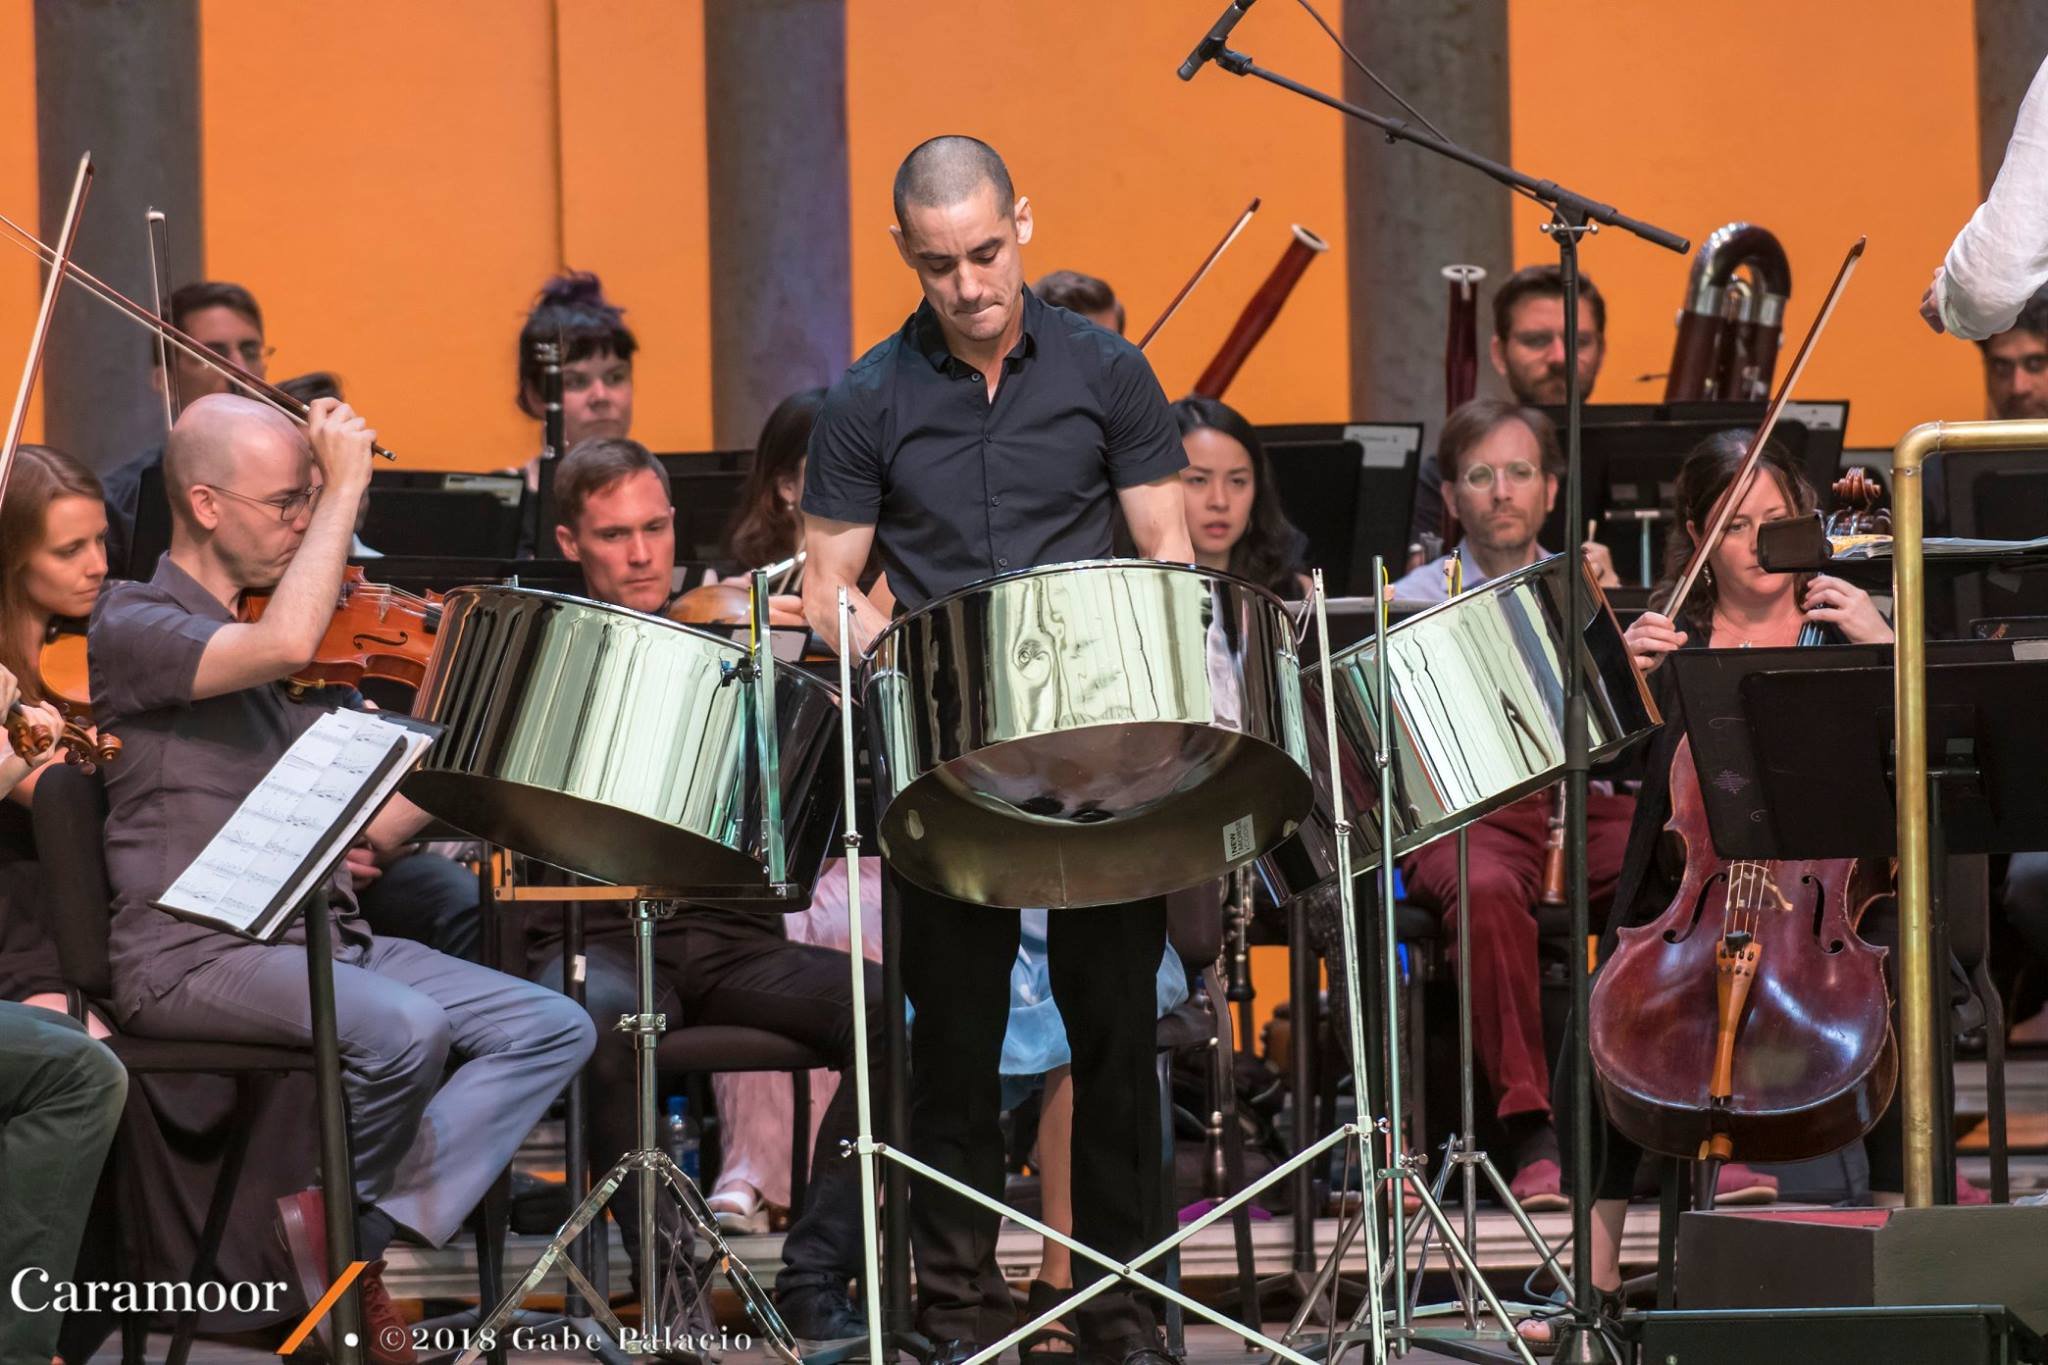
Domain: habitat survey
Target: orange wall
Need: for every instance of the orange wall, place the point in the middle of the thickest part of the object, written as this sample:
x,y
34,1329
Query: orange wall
x,y
386,176
20,280
1822,122
1134,175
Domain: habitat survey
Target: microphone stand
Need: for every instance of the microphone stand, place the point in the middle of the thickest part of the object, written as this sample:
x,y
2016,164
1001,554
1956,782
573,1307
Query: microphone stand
x,y
1580,1340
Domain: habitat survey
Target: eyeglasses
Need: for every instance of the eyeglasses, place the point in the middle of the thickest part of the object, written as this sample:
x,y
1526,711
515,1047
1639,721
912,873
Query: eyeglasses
x,y
249,353
289,507
1479,477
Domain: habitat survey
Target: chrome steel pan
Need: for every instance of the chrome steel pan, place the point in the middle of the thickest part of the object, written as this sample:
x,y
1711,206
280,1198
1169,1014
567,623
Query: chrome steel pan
x,y
615,745
1478,687
1081,734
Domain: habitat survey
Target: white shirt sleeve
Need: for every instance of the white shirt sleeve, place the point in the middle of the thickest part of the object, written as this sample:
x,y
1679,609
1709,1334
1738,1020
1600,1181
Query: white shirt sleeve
x,y
2000,257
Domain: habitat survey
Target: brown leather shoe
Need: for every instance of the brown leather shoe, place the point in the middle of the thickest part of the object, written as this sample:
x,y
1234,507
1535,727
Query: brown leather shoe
x,y
303,1218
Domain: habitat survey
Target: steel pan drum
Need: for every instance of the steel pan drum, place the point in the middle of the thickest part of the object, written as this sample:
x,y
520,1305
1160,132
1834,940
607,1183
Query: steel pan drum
x,y
615,745
1081,734
1478,688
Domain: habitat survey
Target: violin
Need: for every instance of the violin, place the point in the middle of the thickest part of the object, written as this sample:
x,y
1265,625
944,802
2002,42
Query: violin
x,y
67,688
377,632
76,742
730,603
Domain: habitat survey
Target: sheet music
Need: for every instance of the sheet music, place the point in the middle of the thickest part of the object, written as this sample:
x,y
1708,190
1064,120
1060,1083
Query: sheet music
x,y
287,833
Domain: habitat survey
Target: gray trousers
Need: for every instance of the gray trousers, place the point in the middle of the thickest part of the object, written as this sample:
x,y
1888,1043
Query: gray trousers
x,y
425,1151
60,1100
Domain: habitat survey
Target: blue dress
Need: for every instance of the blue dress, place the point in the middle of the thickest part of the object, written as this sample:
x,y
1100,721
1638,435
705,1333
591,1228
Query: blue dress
x,y
1037,1037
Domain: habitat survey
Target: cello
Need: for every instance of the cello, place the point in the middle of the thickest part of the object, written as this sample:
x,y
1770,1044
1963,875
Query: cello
x,y
1749,1019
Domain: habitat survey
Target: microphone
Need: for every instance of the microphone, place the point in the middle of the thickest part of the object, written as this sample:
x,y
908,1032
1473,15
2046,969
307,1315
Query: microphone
x,y
1212,43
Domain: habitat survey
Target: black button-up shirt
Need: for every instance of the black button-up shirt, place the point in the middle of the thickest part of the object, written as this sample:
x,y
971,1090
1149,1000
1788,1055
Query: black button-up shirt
x,y
959,488
186,766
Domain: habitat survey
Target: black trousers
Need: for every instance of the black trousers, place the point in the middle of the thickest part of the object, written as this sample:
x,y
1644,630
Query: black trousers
x,y
957,960
735,975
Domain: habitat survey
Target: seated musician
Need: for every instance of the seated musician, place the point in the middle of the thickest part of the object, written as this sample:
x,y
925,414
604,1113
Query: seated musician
x,y
1735,604
1501,468
1527,352
2016,385
61,1099
597,362
223,317
1234,514
1092,298
712,966
194,695
52,562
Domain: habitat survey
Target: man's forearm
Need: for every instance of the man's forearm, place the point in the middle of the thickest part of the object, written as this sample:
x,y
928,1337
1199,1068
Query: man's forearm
x,y
821,610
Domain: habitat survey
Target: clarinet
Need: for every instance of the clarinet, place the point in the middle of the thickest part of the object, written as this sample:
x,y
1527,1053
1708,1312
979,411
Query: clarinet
x,y
549,354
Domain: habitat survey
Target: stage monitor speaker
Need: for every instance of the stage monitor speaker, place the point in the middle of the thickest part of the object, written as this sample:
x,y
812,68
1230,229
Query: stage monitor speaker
x,y
1951,1334
1858,1258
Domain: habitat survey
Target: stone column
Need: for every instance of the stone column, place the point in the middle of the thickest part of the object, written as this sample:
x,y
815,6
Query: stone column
x,y
118,78
781,254
1410,212
2012,38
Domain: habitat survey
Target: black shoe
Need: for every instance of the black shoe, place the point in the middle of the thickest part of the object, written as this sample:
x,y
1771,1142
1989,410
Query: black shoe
x,y
825,1321
538,1206
1150,1355
952,1351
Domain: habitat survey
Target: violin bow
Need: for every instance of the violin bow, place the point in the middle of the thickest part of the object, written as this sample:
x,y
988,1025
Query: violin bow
x,y
1745,473
261,389
67,238
1243,220
160,295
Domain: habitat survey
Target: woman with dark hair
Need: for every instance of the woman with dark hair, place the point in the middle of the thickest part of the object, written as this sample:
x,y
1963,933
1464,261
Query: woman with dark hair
x,y
53,559
1736,604
597,361
767,527
1234,513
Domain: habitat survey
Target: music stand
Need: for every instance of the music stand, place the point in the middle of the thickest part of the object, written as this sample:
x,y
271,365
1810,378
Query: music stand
x,y
1813,754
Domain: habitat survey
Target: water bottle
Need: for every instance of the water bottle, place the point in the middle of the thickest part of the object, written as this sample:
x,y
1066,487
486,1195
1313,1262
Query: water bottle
x,y
683,1139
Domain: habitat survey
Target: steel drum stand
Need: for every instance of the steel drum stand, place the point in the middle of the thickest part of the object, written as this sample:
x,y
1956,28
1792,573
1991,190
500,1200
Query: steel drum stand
x,y
1461,1150
869,1152
646,1162
1402,1174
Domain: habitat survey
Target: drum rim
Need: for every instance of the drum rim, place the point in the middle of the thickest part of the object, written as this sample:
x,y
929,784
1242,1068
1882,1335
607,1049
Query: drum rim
x,y
1443,607
1036,570
592,604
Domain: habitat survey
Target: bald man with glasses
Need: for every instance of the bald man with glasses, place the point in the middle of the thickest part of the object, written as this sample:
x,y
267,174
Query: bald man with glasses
x,y
193,692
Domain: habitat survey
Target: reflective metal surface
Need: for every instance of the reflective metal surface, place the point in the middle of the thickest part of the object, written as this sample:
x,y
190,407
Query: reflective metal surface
x,y
616,745
1478,687
1081,734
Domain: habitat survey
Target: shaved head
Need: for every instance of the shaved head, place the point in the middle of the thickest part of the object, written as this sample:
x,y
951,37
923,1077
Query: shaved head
x,y
950,170
215,436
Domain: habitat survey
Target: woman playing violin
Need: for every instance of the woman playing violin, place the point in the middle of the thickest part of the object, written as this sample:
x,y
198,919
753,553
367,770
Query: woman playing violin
x,y
53,559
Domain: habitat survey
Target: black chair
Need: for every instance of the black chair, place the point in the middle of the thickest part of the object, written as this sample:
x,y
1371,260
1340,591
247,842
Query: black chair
x,y
690,1054
70,813
696,1052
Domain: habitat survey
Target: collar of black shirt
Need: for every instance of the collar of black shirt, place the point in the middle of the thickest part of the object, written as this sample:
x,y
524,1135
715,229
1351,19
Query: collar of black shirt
x,y
930,339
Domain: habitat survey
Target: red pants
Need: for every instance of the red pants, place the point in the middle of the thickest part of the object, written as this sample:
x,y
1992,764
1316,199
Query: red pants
x,y
1508,850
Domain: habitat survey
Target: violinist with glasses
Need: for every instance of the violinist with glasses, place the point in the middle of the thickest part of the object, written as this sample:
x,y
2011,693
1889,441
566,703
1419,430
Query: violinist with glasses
x,y
258,504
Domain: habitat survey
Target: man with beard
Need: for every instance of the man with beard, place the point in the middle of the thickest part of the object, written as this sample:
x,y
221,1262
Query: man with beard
x,y
1528,352
2016,364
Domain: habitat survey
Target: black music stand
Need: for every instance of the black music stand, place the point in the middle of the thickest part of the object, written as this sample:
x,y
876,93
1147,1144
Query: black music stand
x,y
1802,766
